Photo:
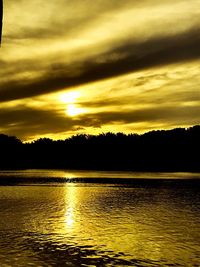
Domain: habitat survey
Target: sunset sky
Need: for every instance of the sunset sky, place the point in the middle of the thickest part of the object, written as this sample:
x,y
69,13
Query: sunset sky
x,y
85,66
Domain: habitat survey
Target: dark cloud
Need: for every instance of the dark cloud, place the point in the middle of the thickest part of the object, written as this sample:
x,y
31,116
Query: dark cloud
x,y
136,56
24,121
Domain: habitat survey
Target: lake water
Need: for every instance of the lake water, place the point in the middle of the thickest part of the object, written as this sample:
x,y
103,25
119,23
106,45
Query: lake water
x,y
59,218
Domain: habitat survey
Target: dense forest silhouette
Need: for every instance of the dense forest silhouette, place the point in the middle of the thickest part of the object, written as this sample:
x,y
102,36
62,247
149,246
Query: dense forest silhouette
x,y
171,150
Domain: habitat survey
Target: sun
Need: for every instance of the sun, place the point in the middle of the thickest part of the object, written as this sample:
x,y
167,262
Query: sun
x,y
72,106
72,110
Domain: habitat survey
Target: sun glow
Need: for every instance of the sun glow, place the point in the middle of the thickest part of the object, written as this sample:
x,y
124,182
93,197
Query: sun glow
x,y
70,97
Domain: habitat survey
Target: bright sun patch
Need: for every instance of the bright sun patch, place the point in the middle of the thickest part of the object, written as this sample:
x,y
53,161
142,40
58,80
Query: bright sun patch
x,y
73,110
70,99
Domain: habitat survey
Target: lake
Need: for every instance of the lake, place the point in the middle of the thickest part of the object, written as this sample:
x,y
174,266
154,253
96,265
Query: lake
x,y
91,218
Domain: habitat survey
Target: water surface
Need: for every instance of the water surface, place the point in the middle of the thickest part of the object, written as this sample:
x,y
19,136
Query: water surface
x,y
151,223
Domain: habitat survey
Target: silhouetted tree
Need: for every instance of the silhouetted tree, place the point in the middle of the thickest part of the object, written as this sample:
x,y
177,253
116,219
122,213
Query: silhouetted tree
x,y
10,151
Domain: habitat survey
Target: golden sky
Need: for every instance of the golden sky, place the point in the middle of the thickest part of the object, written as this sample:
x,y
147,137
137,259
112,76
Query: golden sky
x,y
85,66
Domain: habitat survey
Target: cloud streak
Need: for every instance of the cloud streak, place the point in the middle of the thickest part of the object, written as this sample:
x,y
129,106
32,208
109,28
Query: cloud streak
x,y
124,59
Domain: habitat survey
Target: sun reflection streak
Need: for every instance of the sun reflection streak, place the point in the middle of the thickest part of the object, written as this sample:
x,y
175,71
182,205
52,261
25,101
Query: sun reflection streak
x,y
69,217
71,200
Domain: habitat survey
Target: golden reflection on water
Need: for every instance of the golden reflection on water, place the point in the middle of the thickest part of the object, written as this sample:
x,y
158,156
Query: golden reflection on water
x,y
70,199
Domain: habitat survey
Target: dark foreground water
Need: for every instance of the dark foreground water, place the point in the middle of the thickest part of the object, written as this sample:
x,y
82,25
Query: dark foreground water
x,y
99,219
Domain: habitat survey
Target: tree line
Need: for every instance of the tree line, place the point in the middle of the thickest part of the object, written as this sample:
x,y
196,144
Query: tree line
x,y
162,150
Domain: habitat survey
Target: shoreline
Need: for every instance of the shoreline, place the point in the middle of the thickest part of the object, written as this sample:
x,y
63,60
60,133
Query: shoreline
x,y
37,176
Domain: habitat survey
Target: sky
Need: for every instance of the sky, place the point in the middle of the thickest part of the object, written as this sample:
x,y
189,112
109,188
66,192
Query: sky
x,y
87,67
